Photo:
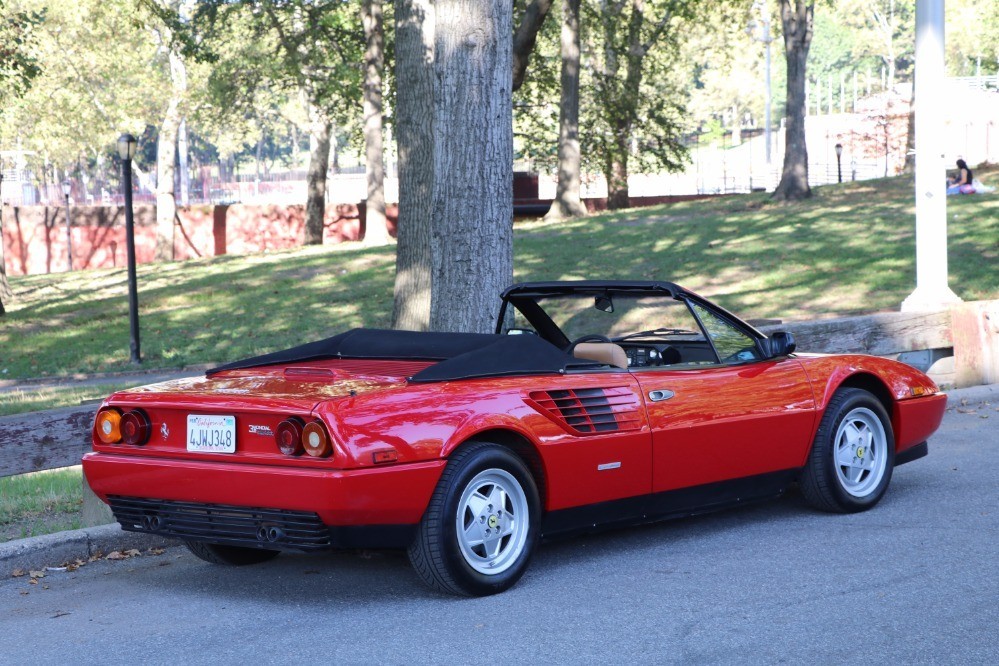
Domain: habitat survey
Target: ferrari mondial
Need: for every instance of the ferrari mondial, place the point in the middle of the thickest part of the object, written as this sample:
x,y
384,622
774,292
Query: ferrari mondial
x,y
595,404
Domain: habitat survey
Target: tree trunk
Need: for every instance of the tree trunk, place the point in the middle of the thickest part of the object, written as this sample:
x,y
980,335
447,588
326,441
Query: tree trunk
x,y
166,160
414,50
797,24
319,164
567,202
473,164
376,233
617,176
527,35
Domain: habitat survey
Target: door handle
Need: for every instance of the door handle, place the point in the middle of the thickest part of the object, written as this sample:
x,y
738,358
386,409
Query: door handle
x,y
659,396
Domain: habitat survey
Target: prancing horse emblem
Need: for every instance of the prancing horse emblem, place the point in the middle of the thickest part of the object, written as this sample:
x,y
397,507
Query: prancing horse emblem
x,y
164,431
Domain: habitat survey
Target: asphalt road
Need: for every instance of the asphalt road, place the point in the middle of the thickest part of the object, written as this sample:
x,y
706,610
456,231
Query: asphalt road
x,y
916,580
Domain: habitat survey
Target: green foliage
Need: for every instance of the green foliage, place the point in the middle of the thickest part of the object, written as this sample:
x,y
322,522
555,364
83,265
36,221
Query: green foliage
x,y
18,50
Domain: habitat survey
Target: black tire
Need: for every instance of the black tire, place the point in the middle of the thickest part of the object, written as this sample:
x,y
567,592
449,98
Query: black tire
x,y
230,555
825,481
450,564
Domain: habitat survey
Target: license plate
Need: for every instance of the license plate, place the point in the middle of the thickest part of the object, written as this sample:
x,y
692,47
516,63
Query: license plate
x,y
211,434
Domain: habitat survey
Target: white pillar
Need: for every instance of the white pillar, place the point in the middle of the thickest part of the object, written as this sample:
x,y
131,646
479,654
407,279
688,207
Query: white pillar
x,y
932,291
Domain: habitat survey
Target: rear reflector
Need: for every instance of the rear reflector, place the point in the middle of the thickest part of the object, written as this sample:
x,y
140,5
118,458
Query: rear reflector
x,y
381,457
108,426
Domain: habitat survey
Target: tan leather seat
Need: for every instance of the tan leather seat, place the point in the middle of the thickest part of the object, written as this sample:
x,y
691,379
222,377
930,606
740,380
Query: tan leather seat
x,y
602,352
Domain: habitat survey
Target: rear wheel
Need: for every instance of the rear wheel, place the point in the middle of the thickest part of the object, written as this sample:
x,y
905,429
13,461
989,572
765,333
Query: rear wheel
x,y
229,555
481,525
852,457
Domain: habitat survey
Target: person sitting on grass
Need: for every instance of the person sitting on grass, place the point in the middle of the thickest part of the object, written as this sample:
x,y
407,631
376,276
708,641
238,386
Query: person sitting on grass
x,y
961,184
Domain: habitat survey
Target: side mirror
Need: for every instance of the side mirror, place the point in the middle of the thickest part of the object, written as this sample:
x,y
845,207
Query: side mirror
x,y
781,343
521,331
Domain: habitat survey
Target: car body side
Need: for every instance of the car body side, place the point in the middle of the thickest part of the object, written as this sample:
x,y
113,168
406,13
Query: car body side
x,y
375,504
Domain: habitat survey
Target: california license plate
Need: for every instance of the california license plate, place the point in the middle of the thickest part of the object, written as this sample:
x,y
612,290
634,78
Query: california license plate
x,y
211,434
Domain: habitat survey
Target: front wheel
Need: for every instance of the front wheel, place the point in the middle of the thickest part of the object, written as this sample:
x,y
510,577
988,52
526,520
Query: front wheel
x,y
481,526
852,456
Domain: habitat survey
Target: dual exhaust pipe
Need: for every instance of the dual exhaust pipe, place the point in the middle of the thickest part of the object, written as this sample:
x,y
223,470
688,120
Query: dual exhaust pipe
x,y
265,534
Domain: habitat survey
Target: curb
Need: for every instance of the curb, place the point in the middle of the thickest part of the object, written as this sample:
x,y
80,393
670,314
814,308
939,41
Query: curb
x,y
985,393
61,547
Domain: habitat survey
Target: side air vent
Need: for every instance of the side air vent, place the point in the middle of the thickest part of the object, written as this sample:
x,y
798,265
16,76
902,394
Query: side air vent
x,y
592,410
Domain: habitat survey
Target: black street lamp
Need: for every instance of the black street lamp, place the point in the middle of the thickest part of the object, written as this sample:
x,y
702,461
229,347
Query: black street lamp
x,y
839,162
126,151
67,187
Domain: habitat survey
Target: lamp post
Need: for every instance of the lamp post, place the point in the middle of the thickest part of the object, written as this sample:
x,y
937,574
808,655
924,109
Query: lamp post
x,y
839,162
126,151
766,38
67,187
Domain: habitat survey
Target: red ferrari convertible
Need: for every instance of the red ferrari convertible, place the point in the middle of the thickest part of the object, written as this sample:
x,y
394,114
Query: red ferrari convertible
x,y
595,404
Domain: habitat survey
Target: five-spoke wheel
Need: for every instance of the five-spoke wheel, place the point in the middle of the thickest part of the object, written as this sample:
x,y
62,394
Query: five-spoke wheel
x,y
853,454
481,525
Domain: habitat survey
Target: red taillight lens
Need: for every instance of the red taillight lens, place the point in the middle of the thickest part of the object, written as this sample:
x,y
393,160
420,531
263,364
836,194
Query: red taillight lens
x,y
315,440
135,428
289,436
108,426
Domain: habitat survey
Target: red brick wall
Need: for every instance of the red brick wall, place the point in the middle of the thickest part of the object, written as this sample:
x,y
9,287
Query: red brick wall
x,y
34,237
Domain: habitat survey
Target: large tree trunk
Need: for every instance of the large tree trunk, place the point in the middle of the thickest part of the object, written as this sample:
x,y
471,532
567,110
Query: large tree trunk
x,y
567,200
166,160
376,233
319,164
617,176
473,164
414,51
797,23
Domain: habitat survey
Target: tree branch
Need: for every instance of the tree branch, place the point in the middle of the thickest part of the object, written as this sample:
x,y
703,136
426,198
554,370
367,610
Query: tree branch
x,y
526,36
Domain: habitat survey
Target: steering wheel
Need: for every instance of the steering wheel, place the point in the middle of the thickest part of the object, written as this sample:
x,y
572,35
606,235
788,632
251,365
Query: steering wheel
x,y
592,337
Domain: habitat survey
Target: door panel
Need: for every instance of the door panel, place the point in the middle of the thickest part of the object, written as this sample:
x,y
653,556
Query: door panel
x,y
727,422
595,438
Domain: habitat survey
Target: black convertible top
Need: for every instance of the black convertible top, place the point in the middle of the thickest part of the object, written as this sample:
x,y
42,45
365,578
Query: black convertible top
x,y
459,355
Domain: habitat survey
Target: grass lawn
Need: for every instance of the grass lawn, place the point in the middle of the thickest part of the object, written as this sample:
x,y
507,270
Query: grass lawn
x,y
847,250
20,401
40,503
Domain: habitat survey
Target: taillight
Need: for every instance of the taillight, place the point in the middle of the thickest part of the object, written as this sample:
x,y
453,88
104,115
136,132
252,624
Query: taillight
x,y
108,426
289,436
315,440
135,427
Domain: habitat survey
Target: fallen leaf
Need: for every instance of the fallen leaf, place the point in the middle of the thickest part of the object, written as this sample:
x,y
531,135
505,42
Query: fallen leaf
x,y
133,552
33,582
17,573
156,551
965,411
116,555
37,574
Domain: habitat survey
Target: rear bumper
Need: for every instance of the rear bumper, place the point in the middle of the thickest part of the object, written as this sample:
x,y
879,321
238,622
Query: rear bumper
x,y
348,501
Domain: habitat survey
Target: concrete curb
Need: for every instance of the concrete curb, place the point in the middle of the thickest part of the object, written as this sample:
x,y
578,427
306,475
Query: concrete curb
x,y
62,547
985,393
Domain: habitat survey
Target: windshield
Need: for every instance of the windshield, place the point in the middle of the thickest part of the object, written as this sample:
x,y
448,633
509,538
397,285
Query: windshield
x,y
616,316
